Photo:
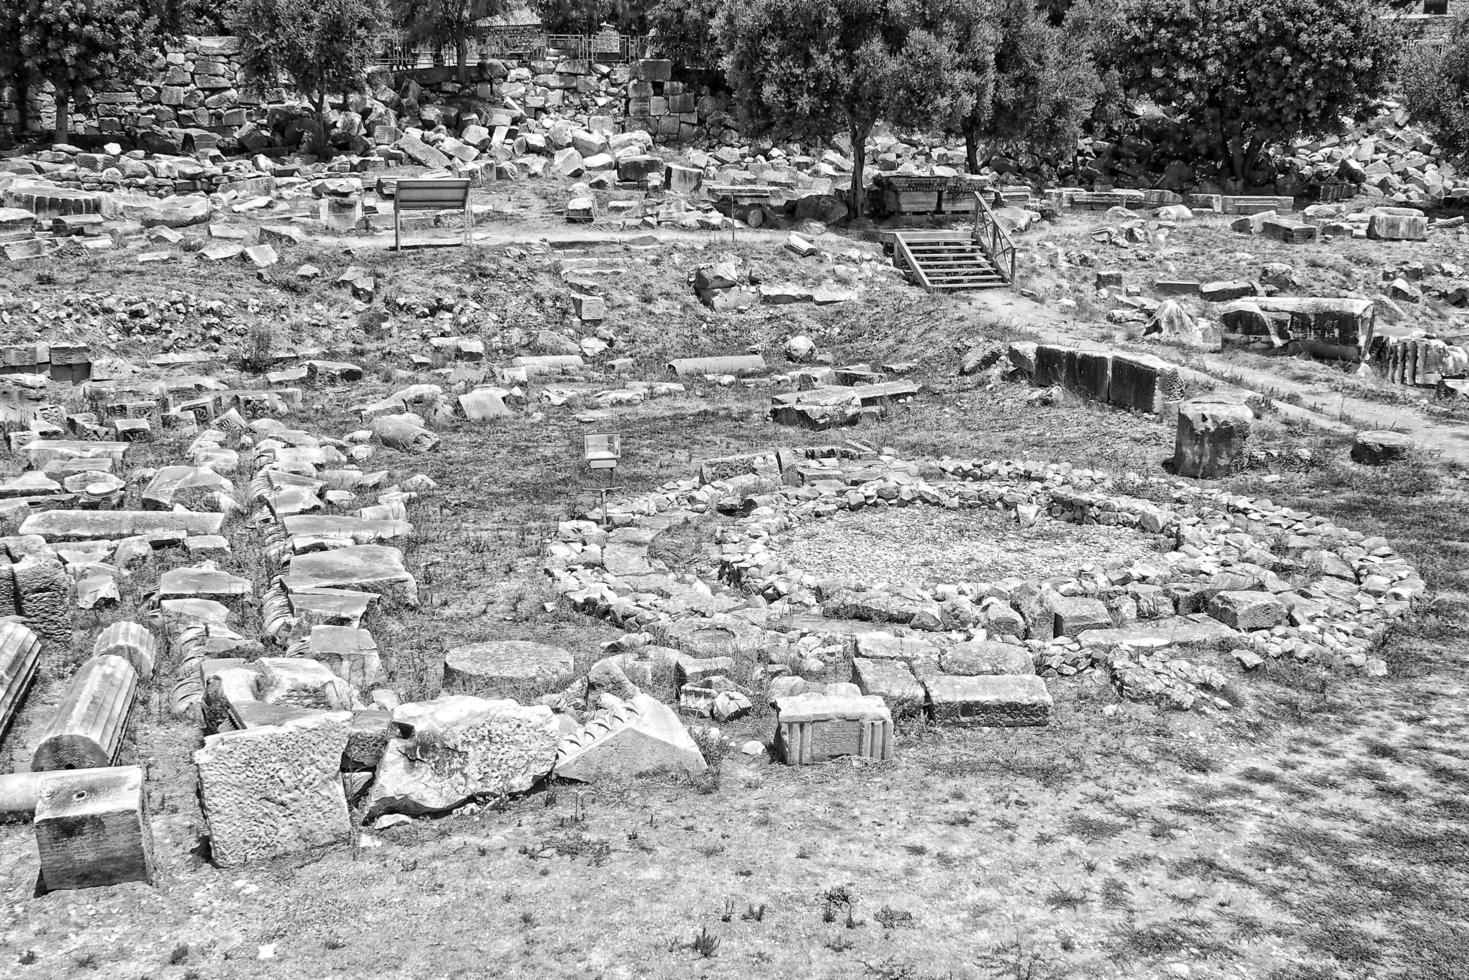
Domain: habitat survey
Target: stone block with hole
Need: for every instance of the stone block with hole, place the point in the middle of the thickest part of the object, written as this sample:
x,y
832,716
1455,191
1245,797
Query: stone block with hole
x,y
92,828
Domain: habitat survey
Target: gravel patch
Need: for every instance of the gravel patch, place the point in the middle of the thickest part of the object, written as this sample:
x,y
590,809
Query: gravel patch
x,y
925,546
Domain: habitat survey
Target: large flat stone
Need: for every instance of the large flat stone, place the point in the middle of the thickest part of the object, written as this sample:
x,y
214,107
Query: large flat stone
x,y
997,700
368,568
1197,632
276,789
507,668
102,525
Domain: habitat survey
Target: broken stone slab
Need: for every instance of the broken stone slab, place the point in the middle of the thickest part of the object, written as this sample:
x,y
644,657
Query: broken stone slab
x,y
275,789
88,725
367,568
1397,225
628,738
43,595
976,657
405,432
95,525
20,658
300,683
172,481
350,652
204,583
995,700
482,404
507,668
1212,437
813,728
461,748
42,451
92,828
329,607
131,641
1194,632
893,681
713,636
309,532
1338,328
735,364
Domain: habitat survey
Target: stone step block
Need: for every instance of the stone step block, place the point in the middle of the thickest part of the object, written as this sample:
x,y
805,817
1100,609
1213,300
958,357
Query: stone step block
x,y
1000,701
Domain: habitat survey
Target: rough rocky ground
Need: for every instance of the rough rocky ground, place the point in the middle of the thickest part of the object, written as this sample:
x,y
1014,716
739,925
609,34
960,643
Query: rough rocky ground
x,y
1319,830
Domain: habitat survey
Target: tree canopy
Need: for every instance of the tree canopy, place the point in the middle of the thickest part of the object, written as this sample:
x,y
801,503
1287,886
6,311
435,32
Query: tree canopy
x,y
79,43
1435,86
321,46
1251,74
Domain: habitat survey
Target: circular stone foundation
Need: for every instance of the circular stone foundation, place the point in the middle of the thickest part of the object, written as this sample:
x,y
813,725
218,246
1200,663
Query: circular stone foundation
x,y
507,668
927,546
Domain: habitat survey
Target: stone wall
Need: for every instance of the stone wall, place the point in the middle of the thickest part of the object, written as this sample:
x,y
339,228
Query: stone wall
x,y
195,98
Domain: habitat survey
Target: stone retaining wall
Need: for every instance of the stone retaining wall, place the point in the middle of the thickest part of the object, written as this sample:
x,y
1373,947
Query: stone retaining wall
x,y
196,96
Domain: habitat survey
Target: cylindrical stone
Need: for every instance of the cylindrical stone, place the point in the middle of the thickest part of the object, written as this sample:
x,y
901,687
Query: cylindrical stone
x,y
20,655
132,642
507,668
86,731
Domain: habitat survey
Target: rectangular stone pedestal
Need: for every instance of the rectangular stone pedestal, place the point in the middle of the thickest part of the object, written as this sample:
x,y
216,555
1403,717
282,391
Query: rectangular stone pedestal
x,y
92,828
813,728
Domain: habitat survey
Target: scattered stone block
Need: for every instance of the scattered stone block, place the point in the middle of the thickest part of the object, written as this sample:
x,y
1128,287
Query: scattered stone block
x,y
1212,437
1379,448
92,828
1075,614
893,681
461,748
1397,225
275,789
812,728
351,653
997,700
977,657
1248,610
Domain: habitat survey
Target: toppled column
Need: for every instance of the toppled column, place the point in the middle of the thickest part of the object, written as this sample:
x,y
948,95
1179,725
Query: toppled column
x,y
132,642
86,731
20,656
92,828
1212,435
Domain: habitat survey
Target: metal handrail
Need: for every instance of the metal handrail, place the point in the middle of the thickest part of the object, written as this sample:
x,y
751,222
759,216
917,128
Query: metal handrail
x,y
995,241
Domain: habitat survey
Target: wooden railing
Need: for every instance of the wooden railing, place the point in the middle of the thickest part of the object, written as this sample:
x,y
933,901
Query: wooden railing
x,y
995,241
901,248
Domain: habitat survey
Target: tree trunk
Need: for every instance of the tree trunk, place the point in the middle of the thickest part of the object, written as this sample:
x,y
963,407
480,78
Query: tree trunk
x,y
461,52
971,149
63,110
859,135
323,141
22,101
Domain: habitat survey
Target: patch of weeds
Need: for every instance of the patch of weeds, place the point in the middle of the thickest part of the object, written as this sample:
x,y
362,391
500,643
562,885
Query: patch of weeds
x,y
917,850
1092,829
754,913
1116,895
528,919
891,918
838,900
1064,898
28,957
1016,959
181,952
704,943
86,961
840,944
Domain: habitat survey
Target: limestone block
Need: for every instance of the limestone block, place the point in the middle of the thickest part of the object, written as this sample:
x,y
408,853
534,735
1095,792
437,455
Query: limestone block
x,y
44,594
132,642
996,700
111,525
302,683
203,582
1248,610
405,432
92,828
275,789
351,653
1379,448
1212,436
986,657
893,681
626,738
1094,374
507,668
367,568
461,748
1076,613
812,728
1142,382
1397,225
20,657
87,728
